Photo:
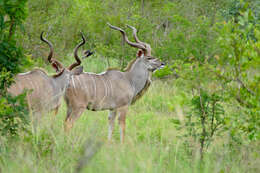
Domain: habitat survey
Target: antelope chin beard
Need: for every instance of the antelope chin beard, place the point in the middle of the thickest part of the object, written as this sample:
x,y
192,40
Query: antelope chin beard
x,y
155,69
162,66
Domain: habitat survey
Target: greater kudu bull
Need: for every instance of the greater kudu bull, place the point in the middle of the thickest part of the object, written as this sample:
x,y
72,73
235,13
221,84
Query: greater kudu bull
x,y
113,89
46,91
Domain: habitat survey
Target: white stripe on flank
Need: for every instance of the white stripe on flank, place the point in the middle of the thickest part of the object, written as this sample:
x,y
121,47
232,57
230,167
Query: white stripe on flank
x,y
77,77
110,87
35,87
32,85
105,85
95,86
85,84
73,84
18,86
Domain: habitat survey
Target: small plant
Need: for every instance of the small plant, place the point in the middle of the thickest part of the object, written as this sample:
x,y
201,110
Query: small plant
x,y
205,120
13,115
238,69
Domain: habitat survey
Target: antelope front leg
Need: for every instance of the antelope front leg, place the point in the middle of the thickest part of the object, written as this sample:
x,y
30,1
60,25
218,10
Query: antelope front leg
x,y
111,121
72,115
121,120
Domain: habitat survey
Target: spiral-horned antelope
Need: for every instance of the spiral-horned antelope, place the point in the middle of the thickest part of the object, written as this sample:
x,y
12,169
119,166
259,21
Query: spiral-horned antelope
x,y
113,89
45,92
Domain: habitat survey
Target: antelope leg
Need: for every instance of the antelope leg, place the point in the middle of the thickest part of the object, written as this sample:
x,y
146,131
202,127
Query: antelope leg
x,y
121,120
56,110
36,118
111,120
72,115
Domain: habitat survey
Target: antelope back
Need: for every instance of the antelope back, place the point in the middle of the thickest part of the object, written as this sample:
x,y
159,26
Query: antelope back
x,y
44,92
39,86
99,91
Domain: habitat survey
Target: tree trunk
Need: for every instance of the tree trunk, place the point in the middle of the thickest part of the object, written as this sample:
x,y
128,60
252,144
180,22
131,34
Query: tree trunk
x,y
142,7
11,29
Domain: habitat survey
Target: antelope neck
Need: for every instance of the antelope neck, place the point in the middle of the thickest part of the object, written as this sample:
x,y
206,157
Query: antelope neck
x,y
60,82
138,75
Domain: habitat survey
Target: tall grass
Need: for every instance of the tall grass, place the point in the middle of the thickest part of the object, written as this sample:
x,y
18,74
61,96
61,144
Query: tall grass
x,y
151,143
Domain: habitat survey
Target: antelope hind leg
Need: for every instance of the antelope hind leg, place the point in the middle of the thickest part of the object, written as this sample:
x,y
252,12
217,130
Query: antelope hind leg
x,y
121,120
36,118
111,121
56,110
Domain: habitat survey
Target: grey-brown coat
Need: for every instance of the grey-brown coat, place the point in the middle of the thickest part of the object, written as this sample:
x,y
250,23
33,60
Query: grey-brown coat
x,y
112,90
44,91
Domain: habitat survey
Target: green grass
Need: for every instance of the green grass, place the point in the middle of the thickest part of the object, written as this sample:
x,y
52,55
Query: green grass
x,y
151,142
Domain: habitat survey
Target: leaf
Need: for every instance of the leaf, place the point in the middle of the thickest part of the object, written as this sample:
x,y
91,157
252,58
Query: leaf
x,y
175,121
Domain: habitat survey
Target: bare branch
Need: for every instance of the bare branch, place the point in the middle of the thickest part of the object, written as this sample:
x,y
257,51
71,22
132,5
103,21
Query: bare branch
x,y
244,86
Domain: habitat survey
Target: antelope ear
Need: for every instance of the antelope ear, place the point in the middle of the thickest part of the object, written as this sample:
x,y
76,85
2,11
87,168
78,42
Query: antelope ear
x,y
140,54
55,66
77,71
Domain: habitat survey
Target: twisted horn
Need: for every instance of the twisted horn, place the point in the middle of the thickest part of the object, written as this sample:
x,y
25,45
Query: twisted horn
x,y
146,45
87,53
50,45
137,45
134,34
55,63
76,53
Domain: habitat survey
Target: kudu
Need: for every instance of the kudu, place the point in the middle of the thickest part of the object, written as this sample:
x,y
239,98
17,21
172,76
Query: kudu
x,y
45,92
113,89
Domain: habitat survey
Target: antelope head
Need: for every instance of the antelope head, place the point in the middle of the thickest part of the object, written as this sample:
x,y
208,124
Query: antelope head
x,y
46,91
63,74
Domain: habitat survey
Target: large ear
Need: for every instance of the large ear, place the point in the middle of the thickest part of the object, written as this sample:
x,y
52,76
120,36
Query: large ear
x,y
77,70
87,53
140,53
55,66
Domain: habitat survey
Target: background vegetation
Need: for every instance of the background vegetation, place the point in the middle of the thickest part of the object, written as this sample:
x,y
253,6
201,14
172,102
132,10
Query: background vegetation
x,y
200,115
13,110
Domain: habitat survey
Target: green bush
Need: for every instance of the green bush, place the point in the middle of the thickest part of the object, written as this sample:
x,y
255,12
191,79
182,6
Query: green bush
x,y
13,110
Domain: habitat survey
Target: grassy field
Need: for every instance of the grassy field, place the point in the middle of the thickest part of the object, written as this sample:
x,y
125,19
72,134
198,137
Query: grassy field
x,y
212,46
151,142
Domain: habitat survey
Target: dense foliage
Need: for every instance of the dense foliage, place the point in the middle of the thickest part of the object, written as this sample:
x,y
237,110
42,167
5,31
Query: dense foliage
x,y
223,60
13,110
